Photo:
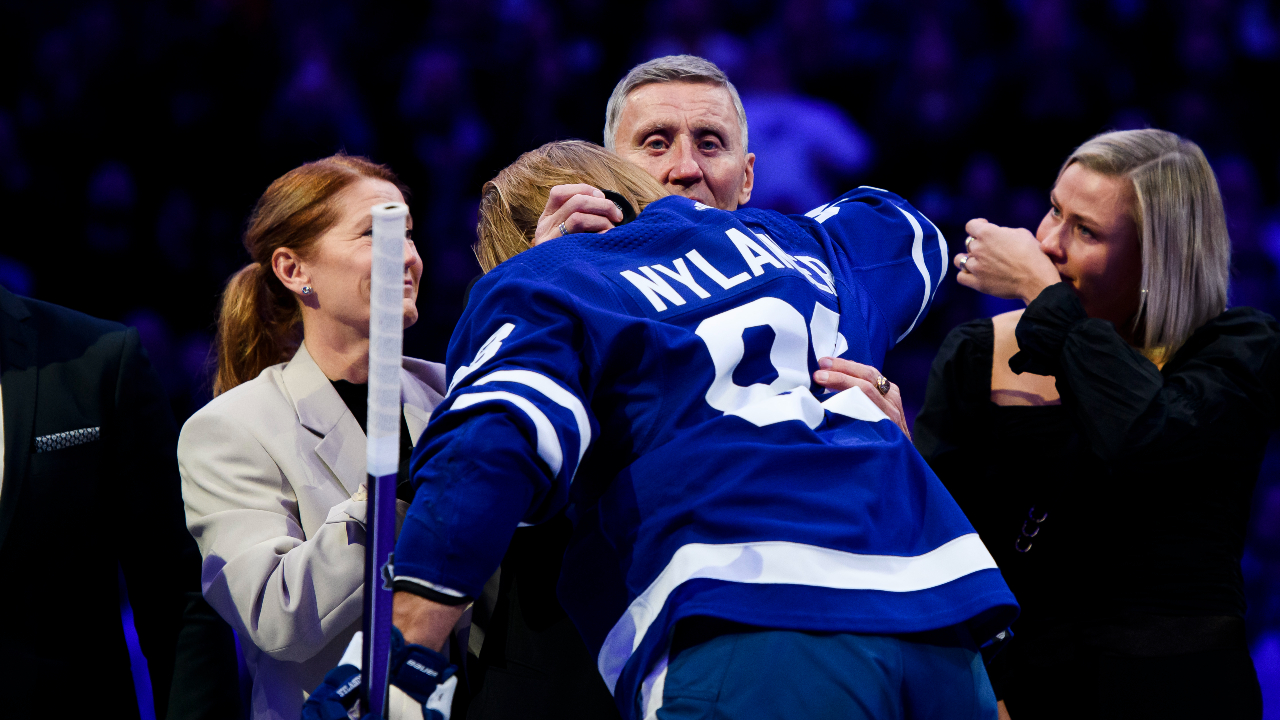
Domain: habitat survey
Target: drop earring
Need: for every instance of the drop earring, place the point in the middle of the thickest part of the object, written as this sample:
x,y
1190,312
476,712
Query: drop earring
x,y
306,290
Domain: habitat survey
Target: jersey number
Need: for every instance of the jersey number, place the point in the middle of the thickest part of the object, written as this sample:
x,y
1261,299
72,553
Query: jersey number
x,y
787,397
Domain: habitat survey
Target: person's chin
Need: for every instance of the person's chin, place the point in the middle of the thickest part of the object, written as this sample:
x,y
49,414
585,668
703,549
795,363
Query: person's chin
x,y
410,313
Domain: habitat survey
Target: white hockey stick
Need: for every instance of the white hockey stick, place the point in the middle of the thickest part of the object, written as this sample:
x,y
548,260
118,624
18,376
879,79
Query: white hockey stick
x,y
386,336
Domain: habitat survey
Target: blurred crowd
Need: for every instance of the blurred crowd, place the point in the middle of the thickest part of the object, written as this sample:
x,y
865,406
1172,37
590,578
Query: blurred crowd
x,y
135,137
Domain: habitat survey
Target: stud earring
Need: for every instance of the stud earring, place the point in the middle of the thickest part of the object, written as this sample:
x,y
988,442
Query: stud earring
x,y
306,290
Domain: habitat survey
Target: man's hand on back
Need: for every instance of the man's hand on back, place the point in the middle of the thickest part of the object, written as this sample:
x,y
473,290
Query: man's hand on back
x,y
581,208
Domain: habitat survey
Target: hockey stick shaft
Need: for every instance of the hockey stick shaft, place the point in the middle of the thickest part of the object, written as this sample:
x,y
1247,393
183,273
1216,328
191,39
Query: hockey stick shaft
x,y
386,334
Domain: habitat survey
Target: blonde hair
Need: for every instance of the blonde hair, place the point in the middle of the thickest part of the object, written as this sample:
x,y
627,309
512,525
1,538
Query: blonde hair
x,y
1186,251
671,68
512,202
260,321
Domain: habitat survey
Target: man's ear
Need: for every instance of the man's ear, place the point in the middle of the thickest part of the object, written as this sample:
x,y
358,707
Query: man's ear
x,y
748,180
287,266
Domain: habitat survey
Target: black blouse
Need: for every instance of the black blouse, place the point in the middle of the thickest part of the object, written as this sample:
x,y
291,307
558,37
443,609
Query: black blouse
x,y
1142,476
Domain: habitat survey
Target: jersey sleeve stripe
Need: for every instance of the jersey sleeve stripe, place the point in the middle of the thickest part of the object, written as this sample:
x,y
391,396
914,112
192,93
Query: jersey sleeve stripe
x,y
548,441
553,392
942,252
787,563
430,586
917,254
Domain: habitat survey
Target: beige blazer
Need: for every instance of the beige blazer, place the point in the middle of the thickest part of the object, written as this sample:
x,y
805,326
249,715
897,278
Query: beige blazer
x,y
269,469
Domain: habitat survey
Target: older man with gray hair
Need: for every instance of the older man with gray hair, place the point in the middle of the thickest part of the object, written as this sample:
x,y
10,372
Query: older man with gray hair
x,y
680,119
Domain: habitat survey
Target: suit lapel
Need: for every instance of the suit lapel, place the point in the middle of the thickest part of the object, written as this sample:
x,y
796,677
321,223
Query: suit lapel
x,y
416,420
321,410
421,390
18,375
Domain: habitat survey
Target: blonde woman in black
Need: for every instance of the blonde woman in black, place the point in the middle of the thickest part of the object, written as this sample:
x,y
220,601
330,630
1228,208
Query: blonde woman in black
x,y
1105,440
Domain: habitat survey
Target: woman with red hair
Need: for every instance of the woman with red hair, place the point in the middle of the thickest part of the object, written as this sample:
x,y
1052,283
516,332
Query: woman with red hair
x,y
273,467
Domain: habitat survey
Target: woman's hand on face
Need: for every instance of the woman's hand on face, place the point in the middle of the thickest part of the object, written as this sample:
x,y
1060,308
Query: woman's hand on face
x,y
1004,262
579,208
837,375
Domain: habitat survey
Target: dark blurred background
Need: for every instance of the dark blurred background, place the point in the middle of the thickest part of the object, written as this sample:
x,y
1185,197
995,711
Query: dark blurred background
x,y
135,137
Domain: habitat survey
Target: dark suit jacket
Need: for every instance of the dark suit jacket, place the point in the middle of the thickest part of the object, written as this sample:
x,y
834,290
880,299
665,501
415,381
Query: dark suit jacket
x,y
533,664
76,510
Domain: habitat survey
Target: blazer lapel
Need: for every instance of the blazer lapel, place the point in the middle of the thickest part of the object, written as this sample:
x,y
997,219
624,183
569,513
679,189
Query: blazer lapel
x,y
18,375
416,420
421,390
321,410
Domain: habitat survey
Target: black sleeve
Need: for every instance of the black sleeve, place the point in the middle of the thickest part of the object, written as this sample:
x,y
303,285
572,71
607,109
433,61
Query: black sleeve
x,y
1222,377
159,558
206,676
959,386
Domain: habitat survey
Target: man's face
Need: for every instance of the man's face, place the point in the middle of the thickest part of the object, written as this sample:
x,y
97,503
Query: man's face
x,y
686,136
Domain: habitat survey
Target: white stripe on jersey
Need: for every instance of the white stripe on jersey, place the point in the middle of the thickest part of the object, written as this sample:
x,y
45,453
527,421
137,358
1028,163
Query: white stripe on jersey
x,y
654,686
548,441
942,250
552,392
786,563
917,254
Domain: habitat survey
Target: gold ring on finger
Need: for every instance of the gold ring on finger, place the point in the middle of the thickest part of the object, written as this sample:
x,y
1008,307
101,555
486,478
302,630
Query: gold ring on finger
x,y
882,384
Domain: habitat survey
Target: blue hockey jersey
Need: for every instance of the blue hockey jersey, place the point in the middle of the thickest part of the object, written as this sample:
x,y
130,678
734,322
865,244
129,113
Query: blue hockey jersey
x,y
657,380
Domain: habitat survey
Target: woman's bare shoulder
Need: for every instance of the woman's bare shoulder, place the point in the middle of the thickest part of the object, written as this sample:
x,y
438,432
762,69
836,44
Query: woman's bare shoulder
x,y
1007,322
